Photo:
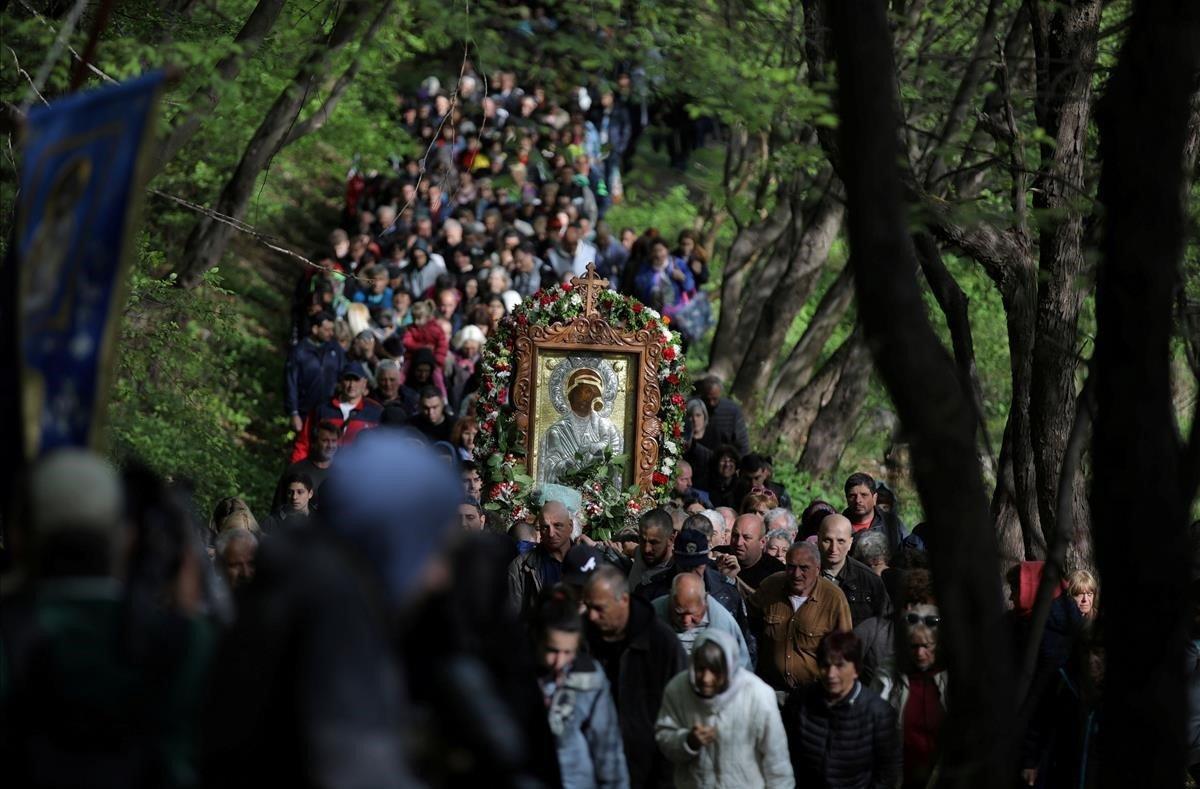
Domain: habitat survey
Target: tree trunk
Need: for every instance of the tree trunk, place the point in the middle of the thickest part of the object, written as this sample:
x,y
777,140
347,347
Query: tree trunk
x,y
834,427
210,236
977,737
797,369
1136,452
792,420
725,355
1064,36
787,297
260,22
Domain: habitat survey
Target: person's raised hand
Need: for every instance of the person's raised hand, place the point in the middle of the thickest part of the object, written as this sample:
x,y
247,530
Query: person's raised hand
x,y
727,563
1029,776
701,735
676,274
297,423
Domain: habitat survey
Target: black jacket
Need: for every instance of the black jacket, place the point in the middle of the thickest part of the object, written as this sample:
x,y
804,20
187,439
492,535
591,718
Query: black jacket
x,y
890,528
651,657
727,425
853,744
864,591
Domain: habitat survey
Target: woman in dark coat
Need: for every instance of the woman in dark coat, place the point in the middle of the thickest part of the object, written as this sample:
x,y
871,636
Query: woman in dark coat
x,y
841,734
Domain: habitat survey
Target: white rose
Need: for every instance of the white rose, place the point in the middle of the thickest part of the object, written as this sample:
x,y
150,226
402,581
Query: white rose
x,y
670,447
667,465
575,301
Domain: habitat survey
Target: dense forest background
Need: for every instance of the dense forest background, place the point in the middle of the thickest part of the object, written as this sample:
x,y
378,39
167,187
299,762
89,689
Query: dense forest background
x,y
997,144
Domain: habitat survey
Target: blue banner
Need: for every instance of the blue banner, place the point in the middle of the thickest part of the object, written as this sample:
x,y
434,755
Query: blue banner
x,y
77,216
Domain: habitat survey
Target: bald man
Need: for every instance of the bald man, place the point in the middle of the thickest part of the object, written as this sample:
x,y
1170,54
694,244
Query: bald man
x,y
639,654
864,589
541,567
690,610
749,565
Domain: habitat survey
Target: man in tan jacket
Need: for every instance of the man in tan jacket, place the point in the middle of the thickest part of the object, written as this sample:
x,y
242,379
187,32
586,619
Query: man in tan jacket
x,y
791,612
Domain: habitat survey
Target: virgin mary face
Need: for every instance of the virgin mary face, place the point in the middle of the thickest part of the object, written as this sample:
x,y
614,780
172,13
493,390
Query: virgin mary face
x,y
581,398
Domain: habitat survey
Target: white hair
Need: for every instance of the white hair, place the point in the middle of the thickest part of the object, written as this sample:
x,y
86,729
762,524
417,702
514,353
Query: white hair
x,y
789,521
470,333
807,547
230,536
716,518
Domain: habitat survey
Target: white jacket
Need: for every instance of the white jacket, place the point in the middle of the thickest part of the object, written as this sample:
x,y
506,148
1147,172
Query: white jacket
x,y
751,750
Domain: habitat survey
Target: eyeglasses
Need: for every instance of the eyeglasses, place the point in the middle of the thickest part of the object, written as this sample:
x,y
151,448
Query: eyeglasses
x,y
929,621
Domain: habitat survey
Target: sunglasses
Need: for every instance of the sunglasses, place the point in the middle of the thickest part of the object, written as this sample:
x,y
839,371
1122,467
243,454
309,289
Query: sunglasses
x,y
929,621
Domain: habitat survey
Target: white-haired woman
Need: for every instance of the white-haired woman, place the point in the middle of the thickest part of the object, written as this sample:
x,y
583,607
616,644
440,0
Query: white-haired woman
x,y
719,724
465,347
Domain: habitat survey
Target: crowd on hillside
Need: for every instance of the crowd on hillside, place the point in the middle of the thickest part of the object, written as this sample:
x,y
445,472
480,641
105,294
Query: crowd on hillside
x,y
377,627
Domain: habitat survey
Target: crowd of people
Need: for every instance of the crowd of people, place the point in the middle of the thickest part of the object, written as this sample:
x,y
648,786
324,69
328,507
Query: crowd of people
x,y
378,627
509,197
391,636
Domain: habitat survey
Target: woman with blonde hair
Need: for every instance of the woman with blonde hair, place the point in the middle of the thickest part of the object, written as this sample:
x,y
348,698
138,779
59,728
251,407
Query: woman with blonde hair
x,y
222,512
358,317
1084,590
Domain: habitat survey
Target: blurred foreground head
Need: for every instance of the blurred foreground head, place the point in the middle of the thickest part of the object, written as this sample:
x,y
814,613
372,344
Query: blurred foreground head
x,y
392,499
75,522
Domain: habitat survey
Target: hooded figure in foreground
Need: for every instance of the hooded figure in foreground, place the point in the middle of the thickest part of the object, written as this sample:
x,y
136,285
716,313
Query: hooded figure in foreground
x,y
720,724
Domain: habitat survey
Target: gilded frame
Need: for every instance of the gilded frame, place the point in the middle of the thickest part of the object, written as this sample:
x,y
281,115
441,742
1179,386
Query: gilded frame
x,y
590,333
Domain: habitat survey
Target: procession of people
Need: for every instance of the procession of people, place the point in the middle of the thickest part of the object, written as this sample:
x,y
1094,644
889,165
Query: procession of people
x,y
380,626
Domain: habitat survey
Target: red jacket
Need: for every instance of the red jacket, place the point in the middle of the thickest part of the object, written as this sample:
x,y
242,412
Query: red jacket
x,y
431,336
365,416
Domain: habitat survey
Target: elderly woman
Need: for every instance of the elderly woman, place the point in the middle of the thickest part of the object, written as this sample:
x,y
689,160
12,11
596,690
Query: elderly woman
x,y
917,691
871,548
699,456
719,724
840,732
778,541
1070,615
1083,589
460,364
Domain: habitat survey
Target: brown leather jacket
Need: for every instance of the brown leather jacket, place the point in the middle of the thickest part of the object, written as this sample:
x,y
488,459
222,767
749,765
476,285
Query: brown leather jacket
x,y
787,639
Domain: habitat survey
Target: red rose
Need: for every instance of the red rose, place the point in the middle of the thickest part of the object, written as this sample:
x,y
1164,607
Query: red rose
x,y
503,395
652,324
661,478
637,306
678,431
521,319
677,399
566,286
669,353
673,379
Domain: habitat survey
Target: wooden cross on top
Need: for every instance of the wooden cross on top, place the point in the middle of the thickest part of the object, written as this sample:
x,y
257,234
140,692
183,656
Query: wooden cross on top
x,y
591,285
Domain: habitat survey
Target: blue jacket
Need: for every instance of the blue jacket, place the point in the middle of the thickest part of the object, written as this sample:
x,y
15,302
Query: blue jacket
x,y
587,732
658,289
311,374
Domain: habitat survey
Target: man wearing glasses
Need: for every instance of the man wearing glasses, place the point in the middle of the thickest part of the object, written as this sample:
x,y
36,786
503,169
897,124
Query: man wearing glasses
x,y
791,612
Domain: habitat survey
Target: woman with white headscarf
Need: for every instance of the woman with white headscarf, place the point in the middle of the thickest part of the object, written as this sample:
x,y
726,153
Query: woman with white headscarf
x,y
720,725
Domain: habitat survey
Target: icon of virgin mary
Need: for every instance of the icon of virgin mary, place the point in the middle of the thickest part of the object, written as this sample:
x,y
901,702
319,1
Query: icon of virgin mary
x,y
582,390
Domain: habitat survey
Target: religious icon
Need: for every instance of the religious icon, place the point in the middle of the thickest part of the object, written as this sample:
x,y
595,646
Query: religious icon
x,y
583,390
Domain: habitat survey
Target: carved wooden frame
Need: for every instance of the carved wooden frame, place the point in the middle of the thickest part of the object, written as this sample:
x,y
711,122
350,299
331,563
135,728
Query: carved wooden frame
x,y
590,333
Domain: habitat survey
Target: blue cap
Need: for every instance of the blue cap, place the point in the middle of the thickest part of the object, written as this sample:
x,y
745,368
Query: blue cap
x,y
353,368
395,500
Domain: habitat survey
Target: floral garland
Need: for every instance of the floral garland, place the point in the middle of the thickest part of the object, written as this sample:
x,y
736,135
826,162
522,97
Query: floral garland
x,y
507,488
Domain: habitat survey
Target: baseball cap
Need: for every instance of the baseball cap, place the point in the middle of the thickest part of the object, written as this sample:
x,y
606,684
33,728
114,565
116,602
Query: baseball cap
x,y
579,563
353,368
691,549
